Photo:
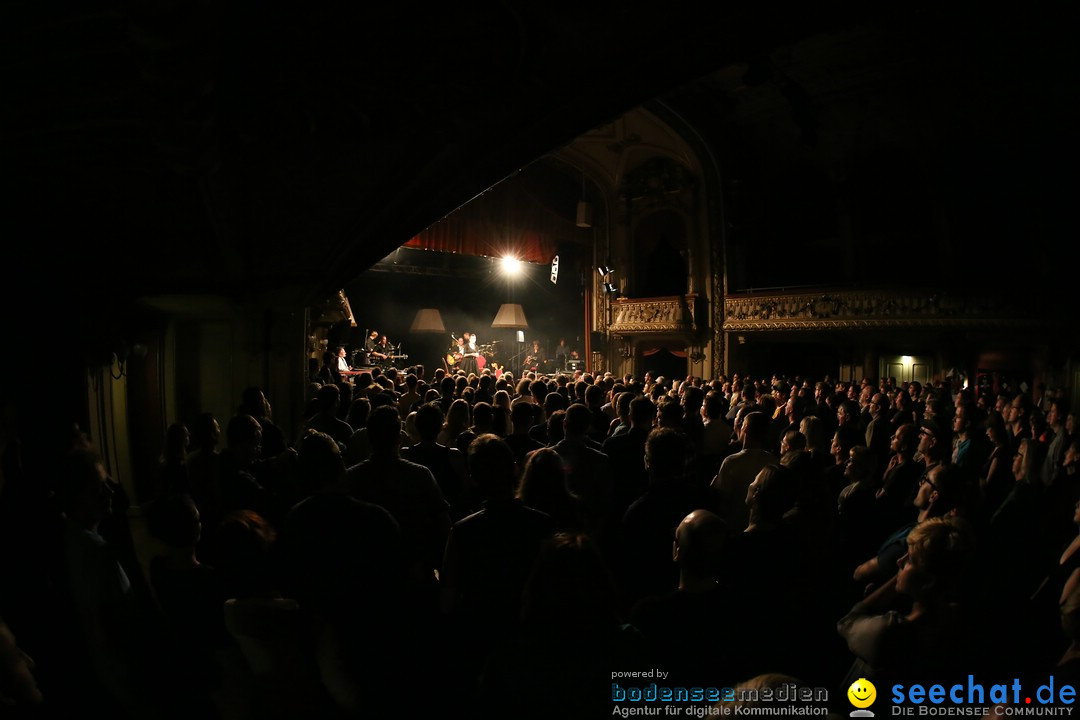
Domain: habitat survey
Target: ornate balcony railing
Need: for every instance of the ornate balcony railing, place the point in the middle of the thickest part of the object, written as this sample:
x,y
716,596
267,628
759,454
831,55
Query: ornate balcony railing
x,y
667,315
870,309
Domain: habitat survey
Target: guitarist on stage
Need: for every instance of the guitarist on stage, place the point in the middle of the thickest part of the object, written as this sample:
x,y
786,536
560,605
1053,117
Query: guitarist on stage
x,y
467,352
372,348
535,359
384,348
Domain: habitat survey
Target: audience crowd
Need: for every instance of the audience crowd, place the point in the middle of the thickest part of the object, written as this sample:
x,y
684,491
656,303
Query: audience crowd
x,y
498,547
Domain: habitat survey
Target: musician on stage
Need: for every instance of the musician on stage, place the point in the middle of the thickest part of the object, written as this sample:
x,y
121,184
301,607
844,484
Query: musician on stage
x,y
469,352
534,359
372,348
562,354
342,363
384,347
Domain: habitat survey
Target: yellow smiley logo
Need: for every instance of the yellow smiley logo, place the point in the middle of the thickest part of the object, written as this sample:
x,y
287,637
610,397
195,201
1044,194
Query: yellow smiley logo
x,y
862,693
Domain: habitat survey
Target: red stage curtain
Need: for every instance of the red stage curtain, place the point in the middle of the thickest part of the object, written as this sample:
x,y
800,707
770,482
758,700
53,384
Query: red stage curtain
x,y
509,219
652,351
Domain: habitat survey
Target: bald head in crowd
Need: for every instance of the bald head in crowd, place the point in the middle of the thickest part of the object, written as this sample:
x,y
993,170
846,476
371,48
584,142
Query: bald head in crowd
x,y
700,540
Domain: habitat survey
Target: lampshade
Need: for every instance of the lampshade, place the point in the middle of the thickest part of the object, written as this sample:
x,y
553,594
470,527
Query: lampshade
x,y
427,320
510,316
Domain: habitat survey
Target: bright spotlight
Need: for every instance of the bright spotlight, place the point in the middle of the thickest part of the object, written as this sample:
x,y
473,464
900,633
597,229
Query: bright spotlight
x,y
511,265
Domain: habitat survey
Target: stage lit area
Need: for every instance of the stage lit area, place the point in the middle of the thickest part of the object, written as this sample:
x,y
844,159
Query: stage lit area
x,y
468,291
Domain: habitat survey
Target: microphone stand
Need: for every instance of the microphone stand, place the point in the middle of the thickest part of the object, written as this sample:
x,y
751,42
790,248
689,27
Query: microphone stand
x,y
516,362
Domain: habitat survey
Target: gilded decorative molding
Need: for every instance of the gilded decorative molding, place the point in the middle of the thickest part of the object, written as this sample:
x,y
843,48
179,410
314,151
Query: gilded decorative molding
x,y
716,307
653,315
860,310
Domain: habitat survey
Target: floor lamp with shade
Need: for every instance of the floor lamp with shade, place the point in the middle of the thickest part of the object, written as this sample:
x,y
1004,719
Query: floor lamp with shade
x,y
428,321
511,316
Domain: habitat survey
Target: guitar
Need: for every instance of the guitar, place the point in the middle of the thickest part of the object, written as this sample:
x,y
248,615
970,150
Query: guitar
x,y
454,356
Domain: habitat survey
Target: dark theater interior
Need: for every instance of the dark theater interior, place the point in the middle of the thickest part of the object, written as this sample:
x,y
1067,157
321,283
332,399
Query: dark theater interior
x,y
274,225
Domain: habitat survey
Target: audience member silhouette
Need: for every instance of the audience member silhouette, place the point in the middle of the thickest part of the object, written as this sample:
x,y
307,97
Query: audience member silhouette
x,y
1019,420
488,557
1056,416
272,632
446,463
912,628
768,563
626,453
522,417
835,475
859,523
970,446
553,402
110,662
325,419
204,465
941,492
238,487
996,478
543,487
343,560
901,478
649,524
172,476
588,469
253,402
191,595
879,431
409,492
689,629
19,690
715,436
738,470
571,633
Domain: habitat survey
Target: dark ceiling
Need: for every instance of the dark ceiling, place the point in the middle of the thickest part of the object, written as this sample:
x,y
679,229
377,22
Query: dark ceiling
x,y
249,148
277,151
